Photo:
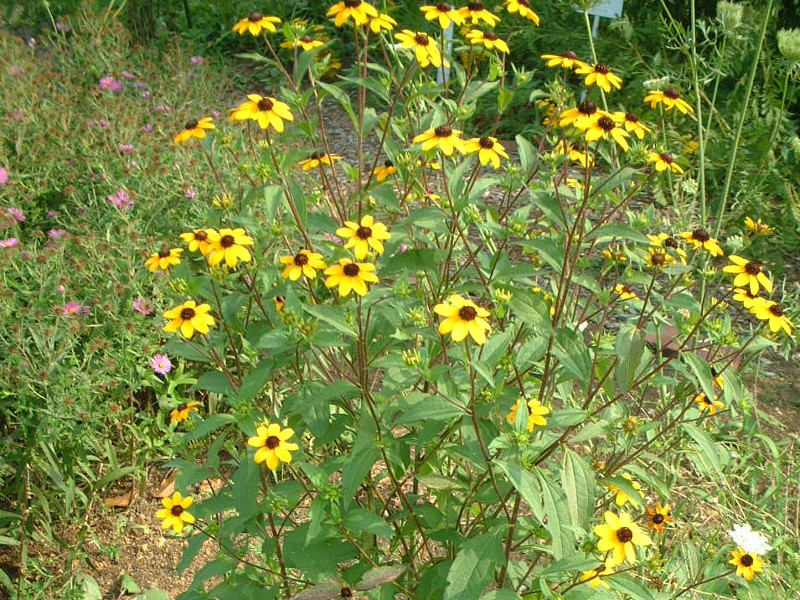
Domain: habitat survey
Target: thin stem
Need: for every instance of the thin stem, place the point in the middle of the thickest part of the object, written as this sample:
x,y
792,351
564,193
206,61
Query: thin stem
x,y
701,175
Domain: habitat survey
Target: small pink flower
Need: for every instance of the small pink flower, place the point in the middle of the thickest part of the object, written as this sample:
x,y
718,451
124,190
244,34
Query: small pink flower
x,y
161,364
16,214
332,238
121,200
103,123
145,95
72,309
126,148
61,289
190,194
16,115
3,176
128,75
140,85
52,214
56,234
196,60
148,128
215,114
106,83
403,247
141,306
9,243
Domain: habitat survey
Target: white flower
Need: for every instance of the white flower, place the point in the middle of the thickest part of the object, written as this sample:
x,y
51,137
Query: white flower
x,y
748,540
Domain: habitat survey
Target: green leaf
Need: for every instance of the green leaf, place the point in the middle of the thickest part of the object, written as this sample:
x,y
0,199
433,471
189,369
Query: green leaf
x,y
89,587
364,521
634,590
555,507
501,595
702,371
629,348
209,425
420,407
709,453
341,97
380,576
272,194
607,233
359,463
214,381
190,551
128,585
577,480
332,316
473,567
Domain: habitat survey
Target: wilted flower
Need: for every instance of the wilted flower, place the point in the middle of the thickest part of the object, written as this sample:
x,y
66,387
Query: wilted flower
x,y
16,214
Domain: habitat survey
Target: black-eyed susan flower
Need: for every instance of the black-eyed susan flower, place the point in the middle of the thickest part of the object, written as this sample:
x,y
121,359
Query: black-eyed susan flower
x,y
523,9
443,137
273,445
264,110
622,498
164,259
620,536
306,43
357,10
631,123
304,262
280,302
757,226
595,576
665,240
188,318
749,274
615,253
254,23
476,12
175,513
387,169
194,129
664,161
582,116
488,148
197,240
316,159
364,236
444,13
771,312
625,292
582,157
658,258
604,127
463,317
350,276
488,39
705,404
425,49
700,239
747,299
746,563
669,99
599,75
182,412
382,22
568,60
228,244
658,517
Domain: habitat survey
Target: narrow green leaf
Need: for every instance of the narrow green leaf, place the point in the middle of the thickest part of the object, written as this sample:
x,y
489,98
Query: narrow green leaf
x,y
472,570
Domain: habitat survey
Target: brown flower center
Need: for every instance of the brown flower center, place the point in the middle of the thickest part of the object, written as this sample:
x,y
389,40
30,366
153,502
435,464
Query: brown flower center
x,y
351,269
272,442
700,235
606,123
346,592
467,313
226,241
443,7
352,3
570,55
632,117
475,5
746,560
626,289
666,157
364,233
443,131
388,164
176,510
490,35
187,314
265,105
670,242
300,259
776,310
255,17
672,94
486,142
587,107
306,39
752,268
190,125
164,252
602,69
421,39
658,518
624,535
658,259
524,3
200,236
315,156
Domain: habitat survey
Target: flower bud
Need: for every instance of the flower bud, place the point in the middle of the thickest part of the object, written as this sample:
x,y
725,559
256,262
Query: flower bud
x,y
789,44
729,14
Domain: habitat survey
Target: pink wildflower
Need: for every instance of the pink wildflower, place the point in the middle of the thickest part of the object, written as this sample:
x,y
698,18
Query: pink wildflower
x,y
9,243
3,176
16,214
196,60
161,364
141,306
72,309
126,148
121,200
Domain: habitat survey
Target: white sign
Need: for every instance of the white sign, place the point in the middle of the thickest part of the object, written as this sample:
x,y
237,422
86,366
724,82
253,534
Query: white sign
x,y
610,9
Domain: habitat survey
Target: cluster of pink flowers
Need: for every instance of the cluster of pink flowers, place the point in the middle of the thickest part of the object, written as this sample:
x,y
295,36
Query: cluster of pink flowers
x,y
110,84
121,200
126,148
13,216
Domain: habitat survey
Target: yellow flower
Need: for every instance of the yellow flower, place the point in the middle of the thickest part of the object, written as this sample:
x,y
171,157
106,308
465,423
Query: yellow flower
x,y
386,170
665,240
349,275
488,148
747,299
615,254
748,274
304,262
582,157
659,517
425,49
264,110
182,411
582,116
568,60
757,226
433,164
174,514
664,161
363,236
631,122
357,10
197,240
442,137
194,129
188,318
669,99
657,258
700,239
772,313
462,317
382,22
307,43
477,12
620,536
523,9
625,292
602,127
704,404
599,75
280,302
747,565
536,413
444,13
622,498
594,577
318,158
489,40
273,445
164,259
255,23
230,245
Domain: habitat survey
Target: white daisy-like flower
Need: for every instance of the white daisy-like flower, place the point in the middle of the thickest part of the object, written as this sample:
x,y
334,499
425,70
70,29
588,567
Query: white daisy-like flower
x,y
748,540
